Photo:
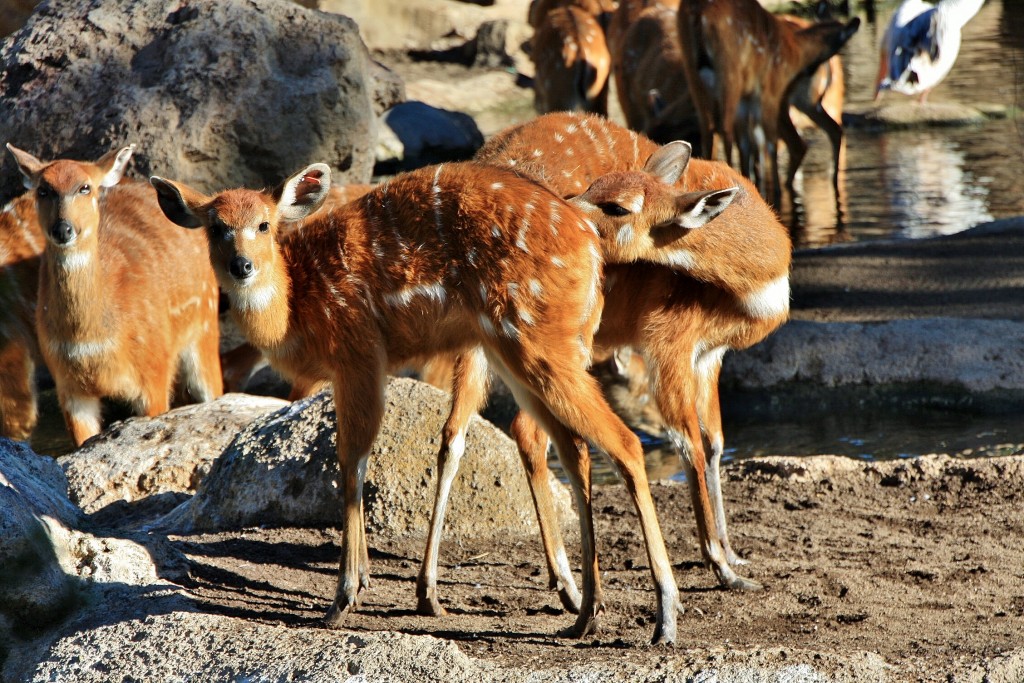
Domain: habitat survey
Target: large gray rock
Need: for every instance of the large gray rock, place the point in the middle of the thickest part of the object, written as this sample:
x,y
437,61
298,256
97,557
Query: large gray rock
x,y
282,470
963,360
45,565
212,647
142,457
214,92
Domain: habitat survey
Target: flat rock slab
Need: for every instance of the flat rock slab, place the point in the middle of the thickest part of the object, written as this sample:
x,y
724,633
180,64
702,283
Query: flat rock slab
x,y
910,114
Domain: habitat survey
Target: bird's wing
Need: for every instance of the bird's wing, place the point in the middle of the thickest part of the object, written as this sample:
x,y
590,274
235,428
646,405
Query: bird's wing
x,y
917,36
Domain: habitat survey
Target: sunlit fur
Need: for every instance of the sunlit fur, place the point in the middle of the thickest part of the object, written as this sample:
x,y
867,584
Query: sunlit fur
x,y
730,289
571,61
388,279
753,58
21,243
140,294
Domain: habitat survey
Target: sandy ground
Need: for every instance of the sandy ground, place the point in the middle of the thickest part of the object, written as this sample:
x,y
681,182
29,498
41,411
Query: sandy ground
x,y
920,562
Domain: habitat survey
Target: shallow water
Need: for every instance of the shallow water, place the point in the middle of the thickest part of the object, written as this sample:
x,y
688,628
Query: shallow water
x,y
924,182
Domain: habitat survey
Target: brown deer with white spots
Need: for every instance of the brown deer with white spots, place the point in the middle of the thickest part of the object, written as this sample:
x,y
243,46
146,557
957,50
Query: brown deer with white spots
x,y
722,286
571,62
21,244
740,61
125,300
453,259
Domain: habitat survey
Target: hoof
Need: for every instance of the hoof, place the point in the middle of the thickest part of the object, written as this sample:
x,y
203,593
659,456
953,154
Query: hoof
x,y
664,636
583,627
430,607
335,617
738,583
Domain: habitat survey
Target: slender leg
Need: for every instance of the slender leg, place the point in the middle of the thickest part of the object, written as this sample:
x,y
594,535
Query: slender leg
x,y
469,391
573,399
359,406
676,389
709,409
533,447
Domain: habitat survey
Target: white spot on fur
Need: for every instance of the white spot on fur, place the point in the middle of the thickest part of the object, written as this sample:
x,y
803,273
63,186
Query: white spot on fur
x,y
487,326
770,301
81,350
681,259
558,263
536,288
497,186
624,235
435,292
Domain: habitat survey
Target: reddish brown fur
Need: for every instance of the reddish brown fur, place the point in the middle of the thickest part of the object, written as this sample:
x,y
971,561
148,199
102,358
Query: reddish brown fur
x,y
752,57
818,96
654,97
572,63
599,9
443,260
116,323
240,363
21,243
683,322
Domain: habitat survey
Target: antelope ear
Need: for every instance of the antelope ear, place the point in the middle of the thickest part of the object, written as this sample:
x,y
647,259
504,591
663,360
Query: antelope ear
x,y
669,161
695,209
178,202
303,193
29,166
113,164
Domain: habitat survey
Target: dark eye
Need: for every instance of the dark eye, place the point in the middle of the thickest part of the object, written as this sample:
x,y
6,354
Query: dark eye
x,y
612,209
43,191
85,189
264,227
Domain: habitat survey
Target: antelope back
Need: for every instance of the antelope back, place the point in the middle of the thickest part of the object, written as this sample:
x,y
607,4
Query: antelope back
x,y
572,63
599,9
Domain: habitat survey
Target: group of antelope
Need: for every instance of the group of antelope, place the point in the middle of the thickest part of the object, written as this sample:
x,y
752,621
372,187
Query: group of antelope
x,y
704,70
566,236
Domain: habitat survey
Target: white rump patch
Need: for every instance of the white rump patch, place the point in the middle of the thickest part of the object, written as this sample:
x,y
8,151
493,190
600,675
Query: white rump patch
x,y
770,301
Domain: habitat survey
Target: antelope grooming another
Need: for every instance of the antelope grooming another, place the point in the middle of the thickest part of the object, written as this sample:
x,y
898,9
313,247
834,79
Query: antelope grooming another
x,y
118,311
734,291
453,259
739,62
21,243
571,60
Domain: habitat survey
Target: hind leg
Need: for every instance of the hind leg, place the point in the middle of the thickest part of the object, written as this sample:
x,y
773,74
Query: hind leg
x,y
469,392
568,401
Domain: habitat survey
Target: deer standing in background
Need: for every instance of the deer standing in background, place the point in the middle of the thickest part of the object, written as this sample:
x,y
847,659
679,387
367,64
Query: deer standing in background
x,y
124,297
571,61
648,66
722,286
21,243
740,62
452,259
818,95
599,9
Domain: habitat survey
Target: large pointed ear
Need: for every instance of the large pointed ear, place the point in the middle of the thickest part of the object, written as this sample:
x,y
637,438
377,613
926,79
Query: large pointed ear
x,y
669,161
113,164
695,209
303,193
179,202
29,166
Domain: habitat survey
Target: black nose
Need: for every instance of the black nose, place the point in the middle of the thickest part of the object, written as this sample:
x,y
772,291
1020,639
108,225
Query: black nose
x,y
240,267
62,232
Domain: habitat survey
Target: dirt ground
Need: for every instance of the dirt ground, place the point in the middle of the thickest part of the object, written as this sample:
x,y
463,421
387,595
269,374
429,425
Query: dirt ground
x,y
920,562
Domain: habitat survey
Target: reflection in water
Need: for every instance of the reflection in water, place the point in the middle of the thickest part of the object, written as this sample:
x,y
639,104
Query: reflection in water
x,y
931,192
922,182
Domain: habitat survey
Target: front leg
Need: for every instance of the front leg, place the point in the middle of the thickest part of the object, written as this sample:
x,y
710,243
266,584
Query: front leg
x,y
359,407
